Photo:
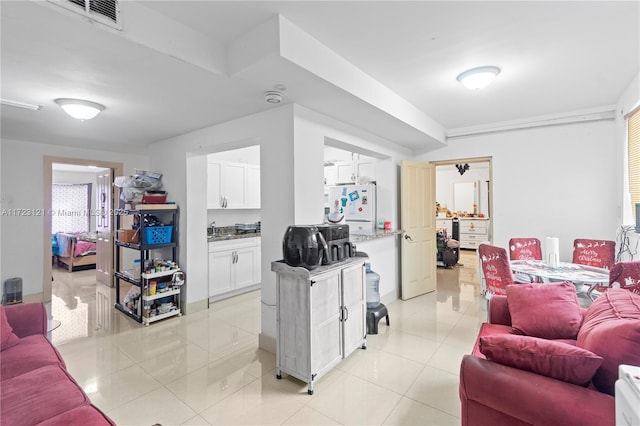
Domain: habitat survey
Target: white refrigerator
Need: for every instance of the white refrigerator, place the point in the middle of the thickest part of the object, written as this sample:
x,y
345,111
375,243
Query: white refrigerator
x,y
357,203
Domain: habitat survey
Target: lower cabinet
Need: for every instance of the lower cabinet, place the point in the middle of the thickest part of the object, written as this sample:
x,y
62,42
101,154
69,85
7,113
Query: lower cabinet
x,y
473,231
234,266
320,317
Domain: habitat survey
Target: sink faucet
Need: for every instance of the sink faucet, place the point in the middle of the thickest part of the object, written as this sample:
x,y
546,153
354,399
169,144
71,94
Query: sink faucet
x,y
211,229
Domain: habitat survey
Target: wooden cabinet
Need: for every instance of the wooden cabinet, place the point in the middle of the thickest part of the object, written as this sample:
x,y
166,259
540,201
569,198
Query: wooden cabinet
x,y
233,185
320,317
473,231
234,267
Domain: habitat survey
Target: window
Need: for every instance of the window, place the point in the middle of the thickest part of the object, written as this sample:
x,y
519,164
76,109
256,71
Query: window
x,y
633,141
71,204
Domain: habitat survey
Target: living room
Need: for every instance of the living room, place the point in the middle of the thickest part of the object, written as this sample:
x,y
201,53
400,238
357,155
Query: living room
x,y
557,172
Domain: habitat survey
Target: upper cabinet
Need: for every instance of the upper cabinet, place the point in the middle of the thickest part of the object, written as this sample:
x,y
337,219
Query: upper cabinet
x,y
232,185
342,172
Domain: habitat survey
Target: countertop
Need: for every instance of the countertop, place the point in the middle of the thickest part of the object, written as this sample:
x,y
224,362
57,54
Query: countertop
x,y
373,234
227,233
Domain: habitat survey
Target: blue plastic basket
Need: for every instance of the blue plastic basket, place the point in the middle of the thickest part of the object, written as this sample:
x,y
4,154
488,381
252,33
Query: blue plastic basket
x,y
158,234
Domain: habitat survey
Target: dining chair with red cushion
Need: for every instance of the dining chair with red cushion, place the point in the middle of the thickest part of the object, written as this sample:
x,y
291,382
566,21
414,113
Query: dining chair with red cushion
x,y
597,253
626,275
496,271
525,249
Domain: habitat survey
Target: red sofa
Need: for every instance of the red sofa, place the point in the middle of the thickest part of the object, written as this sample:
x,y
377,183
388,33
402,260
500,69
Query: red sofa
x,y
516,389
35,387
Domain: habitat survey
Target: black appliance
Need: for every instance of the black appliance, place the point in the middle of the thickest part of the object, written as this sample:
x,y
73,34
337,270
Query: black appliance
x,y
337,238
304,245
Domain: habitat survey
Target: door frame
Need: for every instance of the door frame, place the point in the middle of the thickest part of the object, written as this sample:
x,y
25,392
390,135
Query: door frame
x,y
116,169
471,161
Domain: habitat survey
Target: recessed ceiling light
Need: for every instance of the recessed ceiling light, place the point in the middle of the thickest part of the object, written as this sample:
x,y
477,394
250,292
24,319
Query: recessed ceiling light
x,y
80,109
17,104
478,78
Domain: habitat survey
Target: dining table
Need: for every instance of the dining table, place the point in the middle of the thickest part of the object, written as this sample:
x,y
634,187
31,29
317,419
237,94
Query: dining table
x,y
563,271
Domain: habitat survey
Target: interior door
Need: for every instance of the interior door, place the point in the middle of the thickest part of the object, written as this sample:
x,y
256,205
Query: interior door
x,y
417,217
104,224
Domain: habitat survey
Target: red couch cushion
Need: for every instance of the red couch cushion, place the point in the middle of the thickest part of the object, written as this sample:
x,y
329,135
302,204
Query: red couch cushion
x,y
547,357
7,337
487,329
39,395
30,353
611,329
548,311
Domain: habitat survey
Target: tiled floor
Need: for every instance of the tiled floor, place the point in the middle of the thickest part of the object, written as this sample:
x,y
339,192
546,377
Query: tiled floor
x,y
206,368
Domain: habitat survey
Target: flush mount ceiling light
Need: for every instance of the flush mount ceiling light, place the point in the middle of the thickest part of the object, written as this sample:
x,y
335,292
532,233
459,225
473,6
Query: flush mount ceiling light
x,y
17,104
80,109
478,78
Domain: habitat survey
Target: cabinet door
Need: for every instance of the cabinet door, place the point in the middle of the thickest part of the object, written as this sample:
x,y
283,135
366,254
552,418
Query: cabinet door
x,y
252,187
243,267
354,301
257,266
367,168
220,272
345,172
214,175
233,185
326,335
330,175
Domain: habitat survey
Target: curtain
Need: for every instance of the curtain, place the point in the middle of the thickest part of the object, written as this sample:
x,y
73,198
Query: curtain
x,y
71,205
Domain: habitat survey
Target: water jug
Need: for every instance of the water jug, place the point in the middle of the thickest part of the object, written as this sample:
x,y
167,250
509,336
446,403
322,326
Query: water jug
x,y
373,287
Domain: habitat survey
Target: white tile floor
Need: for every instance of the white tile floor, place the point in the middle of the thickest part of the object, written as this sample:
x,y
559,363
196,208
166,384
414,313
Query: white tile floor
x,y
206,368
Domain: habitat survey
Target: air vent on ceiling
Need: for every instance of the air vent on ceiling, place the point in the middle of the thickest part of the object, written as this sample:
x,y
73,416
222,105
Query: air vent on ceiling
x,y
103,11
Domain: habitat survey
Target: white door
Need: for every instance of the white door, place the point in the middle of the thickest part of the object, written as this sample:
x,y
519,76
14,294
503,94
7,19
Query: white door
x,y
252,189
244,269
104,240
214,171
233,185
220,272
326,334
354,300
417,217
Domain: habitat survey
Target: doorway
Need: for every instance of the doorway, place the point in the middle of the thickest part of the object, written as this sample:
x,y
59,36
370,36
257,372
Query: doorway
x,y
464,189
77,174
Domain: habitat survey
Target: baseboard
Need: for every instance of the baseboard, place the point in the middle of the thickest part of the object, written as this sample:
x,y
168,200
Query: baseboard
x,y
267,343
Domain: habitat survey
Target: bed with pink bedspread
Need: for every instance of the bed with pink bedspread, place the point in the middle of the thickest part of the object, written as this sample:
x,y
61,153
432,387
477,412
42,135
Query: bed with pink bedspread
x,y
75,251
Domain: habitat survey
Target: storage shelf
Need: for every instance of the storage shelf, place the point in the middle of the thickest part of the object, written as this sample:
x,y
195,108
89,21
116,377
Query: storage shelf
x,y
143,246
128,312
150,276
128,279
160,295
158,317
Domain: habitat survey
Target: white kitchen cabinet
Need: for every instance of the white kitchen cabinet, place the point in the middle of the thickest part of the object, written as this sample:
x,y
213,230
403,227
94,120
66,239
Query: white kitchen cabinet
x,y
320,317
252,188
234,266
330,175
346,172
233,185
473,231
366,168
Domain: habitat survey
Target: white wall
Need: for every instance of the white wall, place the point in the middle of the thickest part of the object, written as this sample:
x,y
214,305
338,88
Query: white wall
x,y
554,181
22,188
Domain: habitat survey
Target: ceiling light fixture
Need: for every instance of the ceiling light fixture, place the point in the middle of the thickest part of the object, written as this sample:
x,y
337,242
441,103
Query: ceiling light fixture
x,y
478,78
77,108
17,104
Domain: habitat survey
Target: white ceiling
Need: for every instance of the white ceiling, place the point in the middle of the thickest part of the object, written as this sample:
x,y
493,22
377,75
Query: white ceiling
x,y
158,78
